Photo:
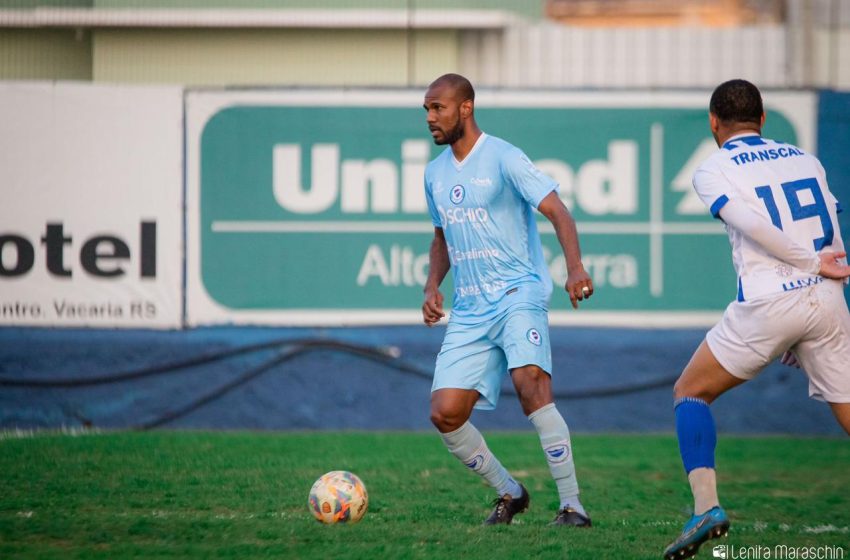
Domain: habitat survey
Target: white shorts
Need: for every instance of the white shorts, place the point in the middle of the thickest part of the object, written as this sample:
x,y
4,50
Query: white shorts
x,y
813,322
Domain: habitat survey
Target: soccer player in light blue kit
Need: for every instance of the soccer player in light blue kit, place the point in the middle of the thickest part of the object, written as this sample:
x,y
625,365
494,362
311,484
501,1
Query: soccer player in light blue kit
x,y
481,194
788,253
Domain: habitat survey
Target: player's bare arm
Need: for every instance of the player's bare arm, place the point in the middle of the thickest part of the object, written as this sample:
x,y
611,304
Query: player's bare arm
x,y
438,267
579,285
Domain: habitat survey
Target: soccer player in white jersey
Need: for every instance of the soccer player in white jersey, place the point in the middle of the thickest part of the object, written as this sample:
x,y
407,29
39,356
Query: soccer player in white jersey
x,y
789,256
481,194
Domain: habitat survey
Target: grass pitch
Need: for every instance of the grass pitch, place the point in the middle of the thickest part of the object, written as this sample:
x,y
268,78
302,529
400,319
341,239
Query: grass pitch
x,y
244,495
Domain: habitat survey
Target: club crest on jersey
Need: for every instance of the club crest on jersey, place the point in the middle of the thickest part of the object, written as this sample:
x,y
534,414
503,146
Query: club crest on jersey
x,y
558,453
533,337
457,194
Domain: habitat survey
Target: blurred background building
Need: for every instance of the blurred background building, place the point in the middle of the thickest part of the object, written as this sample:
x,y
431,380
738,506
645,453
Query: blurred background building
x,y
498,43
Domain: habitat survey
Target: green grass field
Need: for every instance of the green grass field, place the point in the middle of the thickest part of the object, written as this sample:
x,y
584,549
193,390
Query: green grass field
x,y
244,495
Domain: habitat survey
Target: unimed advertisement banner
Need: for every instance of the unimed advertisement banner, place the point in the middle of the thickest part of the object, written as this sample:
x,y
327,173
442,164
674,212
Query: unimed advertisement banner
x,y
307,207
91,217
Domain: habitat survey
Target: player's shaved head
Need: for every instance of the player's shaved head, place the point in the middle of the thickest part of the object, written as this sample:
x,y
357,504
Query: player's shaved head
x,y
737,101
458,84
450,102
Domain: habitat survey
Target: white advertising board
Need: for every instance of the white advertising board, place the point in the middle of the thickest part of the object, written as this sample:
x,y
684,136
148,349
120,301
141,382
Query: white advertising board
x,y
91,211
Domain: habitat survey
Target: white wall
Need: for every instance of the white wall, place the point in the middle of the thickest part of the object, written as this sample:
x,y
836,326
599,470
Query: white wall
x,y
549,55
91,217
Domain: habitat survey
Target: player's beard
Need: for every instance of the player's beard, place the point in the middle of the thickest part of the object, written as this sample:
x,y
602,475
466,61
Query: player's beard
x,y
452,135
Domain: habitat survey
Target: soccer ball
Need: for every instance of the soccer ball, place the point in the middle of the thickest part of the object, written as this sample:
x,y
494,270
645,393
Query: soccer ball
x,y
338,497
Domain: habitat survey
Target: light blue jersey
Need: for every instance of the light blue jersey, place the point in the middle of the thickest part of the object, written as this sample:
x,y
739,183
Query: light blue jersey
x,y
485,206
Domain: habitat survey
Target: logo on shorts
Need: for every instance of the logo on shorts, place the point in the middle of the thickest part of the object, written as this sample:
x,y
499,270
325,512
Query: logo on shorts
x,y
558,453
457,194
533,337
475,463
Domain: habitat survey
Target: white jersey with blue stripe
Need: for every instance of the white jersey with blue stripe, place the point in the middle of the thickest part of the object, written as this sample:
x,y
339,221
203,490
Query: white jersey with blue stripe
x,y
485,207
787,187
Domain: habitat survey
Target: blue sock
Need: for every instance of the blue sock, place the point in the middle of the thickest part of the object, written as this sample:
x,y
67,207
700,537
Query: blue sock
x,y
696,432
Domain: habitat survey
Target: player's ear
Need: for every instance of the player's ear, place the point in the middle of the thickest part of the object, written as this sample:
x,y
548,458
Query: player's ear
x,y
466,109
763,117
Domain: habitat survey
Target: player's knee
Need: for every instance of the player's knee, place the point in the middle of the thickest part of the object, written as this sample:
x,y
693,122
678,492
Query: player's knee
x,y
679,390
530,373
446,420
533,387
683,389
687,388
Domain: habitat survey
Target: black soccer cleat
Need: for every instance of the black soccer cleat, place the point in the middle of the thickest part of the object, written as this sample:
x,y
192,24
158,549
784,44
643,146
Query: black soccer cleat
x,y
506,507
570,517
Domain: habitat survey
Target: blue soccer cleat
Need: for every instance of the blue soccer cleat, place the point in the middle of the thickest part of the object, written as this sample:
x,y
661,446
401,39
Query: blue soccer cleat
x,y
699,528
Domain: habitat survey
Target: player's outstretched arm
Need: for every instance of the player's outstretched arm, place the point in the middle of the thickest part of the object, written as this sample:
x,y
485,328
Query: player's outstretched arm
x,y
579,285
438,267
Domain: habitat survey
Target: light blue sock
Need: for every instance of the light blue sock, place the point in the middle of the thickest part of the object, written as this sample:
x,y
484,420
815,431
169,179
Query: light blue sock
x,y
555,439
467,444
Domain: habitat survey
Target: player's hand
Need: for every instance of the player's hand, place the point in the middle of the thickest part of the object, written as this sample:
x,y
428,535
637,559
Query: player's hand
x,y
432,308
579,286
790,359
830,267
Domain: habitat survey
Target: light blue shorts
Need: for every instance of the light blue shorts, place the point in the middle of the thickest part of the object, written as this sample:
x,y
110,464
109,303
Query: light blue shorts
x,y
478,356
